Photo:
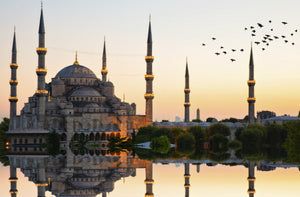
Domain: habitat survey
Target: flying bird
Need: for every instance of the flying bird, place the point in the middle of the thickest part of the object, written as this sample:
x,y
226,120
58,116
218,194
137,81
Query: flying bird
x,y
257,43
213,38
285,23
260,25
267,44
242,50
293,43
221,47
251,27
246,28
264,41
270,21
253,35
232,60
217,53
276,37
233,50
253,31
271,29
286,41
263,49
270,39
225,52
203,44
283,36
292,34
296,30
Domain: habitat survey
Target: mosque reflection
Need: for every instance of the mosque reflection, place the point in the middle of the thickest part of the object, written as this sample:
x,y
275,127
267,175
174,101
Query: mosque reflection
x,y
89,175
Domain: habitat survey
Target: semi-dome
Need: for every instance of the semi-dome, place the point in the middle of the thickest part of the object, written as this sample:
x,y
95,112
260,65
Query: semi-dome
x,y
75,71
85,92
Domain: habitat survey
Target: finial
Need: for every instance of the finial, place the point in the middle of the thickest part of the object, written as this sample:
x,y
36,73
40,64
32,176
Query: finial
x,y
76,59
14,29
149,17
186,59
123,97
41,4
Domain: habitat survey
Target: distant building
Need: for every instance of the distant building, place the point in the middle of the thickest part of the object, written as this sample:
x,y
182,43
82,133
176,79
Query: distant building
x,y
280,119
178,119
265,115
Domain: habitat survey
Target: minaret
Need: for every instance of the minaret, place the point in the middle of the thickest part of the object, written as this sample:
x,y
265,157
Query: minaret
x,y
104,70
198,114
41,182
13,181
41,73
187,179
13,99
187,95
251,178
149,96
149,179
251,83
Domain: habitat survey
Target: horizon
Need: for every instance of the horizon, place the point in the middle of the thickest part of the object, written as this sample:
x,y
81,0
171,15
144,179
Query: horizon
x,y
276,89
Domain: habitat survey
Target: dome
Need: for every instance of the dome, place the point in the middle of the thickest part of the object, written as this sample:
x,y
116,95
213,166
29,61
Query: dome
x,y
85,91
75,71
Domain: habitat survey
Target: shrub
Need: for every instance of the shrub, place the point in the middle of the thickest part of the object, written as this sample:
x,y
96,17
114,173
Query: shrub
x,y
218,129
160,144
185,143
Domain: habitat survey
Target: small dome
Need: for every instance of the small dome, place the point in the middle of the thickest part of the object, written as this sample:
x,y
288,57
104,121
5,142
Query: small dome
x,y
75,71
108,84
85,91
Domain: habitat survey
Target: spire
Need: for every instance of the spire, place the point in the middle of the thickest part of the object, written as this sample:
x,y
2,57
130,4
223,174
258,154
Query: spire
x,y
186,68
14,48
149,40
251,83
104,70
187,94
42,26
76,59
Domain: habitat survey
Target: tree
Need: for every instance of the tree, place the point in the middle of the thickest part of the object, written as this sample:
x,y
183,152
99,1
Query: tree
x,y
211,119
292,143
160,144
218,143
233,120
185,143
199,136
218,129
4,125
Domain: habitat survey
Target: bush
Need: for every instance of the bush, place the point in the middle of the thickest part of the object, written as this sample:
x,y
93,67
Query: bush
x,y
292,143
185,143
218,143
218,129
160,144
3,129
235,145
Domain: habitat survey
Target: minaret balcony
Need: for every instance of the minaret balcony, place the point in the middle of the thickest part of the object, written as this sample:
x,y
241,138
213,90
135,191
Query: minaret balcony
x,y
251,178
13,99
13,191
251,191
187,176
149,77
149,181
187,185
149,58
13,179
42,184
251,82
187,104
41,71
251,99
13,82
149,96
41,92
41,50
14,66
104,71
187,90
149,195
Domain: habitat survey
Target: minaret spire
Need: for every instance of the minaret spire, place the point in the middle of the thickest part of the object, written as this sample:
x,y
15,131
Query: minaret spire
x,y
41,72
187,94
104,70
149,96
13,99
251,83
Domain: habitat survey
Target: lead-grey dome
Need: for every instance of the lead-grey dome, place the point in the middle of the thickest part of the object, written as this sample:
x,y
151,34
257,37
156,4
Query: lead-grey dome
x,y
85,91
75,71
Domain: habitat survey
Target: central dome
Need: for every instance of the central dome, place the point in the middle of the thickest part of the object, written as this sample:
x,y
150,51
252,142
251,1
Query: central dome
x,y
75,71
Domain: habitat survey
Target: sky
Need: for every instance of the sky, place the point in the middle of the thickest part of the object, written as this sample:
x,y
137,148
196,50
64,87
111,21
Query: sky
x,y
218,86
169,181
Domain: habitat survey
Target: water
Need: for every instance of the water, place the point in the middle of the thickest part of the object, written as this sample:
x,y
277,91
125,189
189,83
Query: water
x,y
124,176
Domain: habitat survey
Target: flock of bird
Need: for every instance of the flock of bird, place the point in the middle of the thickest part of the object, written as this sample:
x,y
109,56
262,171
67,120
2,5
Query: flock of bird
x,y
263,35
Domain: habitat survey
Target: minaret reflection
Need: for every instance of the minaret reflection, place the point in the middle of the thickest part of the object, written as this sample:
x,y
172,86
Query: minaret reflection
x,y
149,180
13,181
187,179
251,178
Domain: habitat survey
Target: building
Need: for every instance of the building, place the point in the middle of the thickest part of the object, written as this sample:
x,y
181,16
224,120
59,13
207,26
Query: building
x,y
76,100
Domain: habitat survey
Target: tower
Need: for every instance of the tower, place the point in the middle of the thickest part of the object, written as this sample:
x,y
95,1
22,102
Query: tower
x,y
41,72
149,96
187,95
187,179
13,181
104,70
251,83
13,99
149,179
251,178
198,114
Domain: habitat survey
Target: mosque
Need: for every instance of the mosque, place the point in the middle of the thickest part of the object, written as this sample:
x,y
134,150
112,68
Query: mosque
x,y
76,101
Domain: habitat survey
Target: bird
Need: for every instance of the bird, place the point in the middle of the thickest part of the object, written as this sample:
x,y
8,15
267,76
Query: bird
x,y
263,49
267,44
286,41
285,23
221,47
213,38
270,39
257,43
217,53
203,44
253,35
251,27
246,28
233,50
276,37
270,21
293,43
292,34
271,29
225,52
267,35
264,41
253,31
242,50
283,36
260,25
296,30
232,60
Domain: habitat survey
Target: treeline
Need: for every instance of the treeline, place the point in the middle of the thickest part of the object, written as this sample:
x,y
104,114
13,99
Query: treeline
x,y
256,142
3,128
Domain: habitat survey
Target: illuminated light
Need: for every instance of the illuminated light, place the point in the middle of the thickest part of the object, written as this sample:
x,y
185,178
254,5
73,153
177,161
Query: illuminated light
x,y
187,176
149,95
13,99
187,90
7,143
41,184
187,104
251,99
149,181
251,179
251,82
149,58
41,92
41,71
104,71
13,82
187,185
14,66
149,76
40,49
251,191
